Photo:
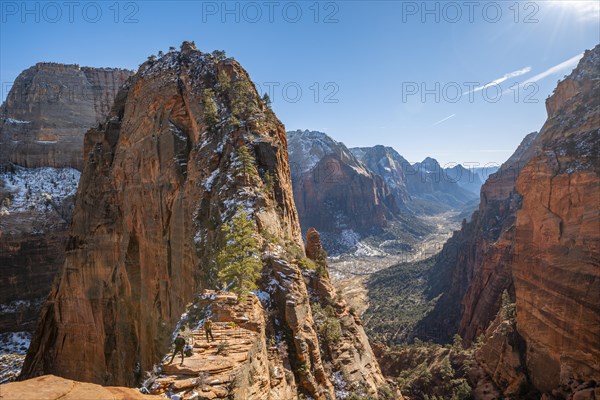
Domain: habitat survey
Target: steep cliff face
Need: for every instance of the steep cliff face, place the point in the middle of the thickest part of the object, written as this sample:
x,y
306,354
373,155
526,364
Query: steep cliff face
x,y
34,222
162,174
556,266
49,108
335,192
42,124
536,235
391,166
474,264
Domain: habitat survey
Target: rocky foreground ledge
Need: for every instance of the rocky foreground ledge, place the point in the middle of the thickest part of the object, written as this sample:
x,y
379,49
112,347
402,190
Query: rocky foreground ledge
x,y
50,387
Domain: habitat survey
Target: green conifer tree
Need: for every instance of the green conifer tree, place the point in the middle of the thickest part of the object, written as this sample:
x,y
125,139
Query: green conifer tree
x,y
246,168
210,108
508,308
267,100
239,261
269,184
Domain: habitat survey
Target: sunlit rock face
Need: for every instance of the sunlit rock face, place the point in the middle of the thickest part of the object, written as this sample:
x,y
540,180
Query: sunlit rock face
x,y
161,176
536,234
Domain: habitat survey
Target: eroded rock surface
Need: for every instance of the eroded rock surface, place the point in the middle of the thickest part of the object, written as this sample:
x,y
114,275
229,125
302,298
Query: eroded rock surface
x,y
536,235
48,110
42,124
50,387
162,174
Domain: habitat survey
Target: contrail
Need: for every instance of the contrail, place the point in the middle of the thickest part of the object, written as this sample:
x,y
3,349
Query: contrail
x,y
442,120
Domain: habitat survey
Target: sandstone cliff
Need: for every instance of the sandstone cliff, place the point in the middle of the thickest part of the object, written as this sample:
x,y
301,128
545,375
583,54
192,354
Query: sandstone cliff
x,y
556,262
391,166
333,190
161,175
49,108
50,387
536,235
42,123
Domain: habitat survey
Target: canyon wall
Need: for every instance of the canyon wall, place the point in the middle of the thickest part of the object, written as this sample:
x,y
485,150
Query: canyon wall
x,y
48,110
535,235
42,124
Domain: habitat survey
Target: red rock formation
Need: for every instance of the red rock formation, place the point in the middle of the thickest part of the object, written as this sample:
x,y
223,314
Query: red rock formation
x,y
42,123
352,355
50,387
473,267
536,234
556,265
159,181
314,248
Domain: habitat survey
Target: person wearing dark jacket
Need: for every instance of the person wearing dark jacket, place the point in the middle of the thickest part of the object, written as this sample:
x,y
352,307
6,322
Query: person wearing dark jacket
x,y
179,344
208,329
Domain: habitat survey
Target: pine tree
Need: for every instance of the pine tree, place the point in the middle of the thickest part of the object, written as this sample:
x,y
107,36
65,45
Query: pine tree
x,y
219,55
239,260
210,108
508,308
224,82
267,100
246,167
269,184
243,99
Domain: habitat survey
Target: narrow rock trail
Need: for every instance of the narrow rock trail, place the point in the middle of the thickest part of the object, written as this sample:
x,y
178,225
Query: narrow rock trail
x,y
214,369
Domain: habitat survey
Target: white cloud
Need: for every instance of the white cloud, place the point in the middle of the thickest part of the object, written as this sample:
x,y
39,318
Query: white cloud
x,y
444,119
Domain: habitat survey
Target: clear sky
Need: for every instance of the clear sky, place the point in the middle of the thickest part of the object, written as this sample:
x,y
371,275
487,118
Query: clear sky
x,y
428,78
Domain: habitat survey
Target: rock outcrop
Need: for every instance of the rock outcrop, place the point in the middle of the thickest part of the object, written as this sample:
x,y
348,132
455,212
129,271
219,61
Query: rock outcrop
x,y
162,174
556,262
344,343
536,235
42,123
458,267
50,387
238,362
48,110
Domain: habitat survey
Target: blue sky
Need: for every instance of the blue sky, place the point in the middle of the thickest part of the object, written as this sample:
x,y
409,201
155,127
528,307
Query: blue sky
x,y
428,78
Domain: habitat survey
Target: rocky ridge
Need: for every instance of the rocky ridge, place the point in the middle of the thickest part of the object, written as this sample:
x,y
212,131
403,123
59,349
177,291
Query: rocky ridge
x,y
335,192
161,175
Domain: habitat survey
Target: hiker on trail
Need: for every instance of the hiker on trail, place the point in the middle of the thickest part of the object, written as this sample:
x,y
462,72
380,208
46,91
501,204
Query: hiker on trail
x,y
179,343
208,329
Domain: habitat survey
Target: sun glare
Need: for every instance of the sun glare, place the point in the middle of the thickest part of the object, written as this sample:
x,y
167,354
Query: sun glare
x,y
584,9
